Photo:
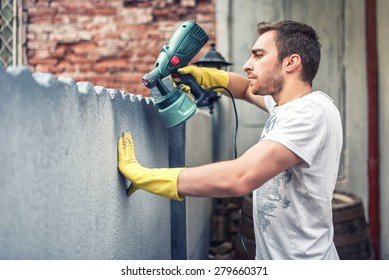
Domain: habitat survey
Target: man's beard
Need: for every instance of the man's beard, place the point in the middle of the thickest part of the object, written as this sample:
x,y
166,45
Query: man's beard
x,y
270,83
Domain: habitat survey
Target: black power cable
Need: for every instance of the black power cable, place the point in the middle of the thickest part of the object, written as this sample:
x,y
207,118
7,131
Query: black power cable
x,y
235,156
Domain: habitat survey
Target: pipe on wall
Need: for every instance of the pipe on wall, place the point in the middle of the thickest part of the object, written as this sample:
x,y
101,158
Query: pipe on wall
x,y
373,163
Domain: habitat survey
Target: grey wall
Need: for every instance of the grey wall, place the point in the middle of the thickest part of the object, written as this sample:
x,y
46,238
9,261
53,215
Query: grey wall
x,y
383,57
198,150
61,195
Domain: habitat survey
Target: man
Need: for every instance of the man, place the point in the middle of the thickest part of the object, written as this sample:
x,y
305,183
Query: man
x,y
292,170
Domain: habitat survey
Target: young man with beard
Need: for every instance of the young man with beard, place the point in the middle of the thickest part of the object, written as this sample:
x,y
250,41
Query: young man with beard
x,y
292,170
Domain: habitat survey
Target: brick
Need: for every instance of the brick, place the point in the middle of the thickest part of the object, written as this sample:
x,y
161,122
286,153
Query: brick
x,y
41,13
39,45
111,63
62,68
46,61
83,47
104,11
101,37
72,5
42,54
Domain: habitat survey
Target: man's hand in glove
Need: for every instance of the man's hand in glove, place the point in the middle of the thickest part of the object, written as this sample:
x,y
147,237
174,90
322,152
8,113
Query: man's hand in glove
x,y
160,181
206,77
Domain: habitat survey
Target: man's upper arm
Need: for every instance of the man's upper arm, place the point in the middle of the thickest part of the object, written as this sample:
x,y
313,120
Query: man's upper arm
x,y
265,160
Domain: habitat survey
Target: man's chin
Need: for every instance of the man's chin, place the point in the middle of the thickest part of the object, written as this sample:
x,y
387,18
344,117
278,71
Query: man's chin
x,y
258,93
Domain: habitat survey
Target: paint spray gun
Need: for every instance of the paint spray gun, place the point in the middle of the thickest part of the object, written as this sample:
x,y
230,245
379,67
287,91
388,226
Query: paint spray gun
x,y
175,105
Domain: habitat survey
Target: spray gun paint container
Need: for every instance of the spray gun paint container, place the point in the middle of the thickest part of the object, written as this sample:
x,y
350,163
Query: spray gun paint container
x,y
176,107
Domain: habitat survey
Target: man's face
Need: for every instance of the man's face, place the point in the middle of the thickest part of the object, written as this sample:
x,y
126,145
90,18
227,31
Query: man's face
x,y
263,68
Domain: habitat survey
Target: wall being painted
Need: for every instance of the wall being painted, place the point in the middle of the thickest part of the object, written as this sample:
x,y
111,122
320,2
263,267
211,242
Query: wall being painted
x,y
61,194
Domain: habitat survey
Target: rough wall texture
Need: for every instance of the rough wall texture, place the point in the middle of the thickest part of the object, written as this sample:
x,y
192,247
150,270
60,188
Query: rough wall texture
x,y
61,195
109,43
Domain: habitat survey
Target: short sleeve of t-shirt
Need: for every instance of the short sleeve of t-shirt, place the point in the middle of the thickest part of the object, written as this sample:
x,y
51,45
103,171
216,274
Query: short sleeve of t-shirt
x,y
300,125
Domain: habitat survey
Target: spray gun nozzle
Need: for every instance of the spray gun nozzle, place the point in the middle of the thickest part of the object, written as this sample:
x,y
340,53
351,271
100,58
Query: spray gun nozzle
x,y
149,80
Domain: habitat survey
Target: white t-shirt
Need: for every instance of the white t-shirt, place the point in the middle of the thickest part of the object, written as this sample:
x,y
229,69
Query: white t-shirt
x,y
292,212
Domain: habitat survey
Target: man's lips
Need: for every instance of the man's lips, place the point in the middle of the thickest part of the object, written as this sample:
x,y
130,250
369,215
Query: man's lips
x,y
250,78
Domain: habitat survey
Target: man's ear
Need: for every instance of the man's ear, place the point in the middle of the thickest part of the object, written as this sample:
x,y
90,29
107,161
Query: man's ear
x,y
292,63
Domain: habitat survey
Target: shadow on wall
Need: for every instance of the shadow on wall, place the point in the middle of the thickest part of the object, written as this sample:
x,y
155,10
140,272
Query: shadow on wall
x,y
61,195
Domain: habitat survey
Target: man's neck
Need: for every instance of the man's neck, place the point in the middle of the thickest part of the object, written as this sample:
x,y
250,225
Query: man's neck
x,y
292,92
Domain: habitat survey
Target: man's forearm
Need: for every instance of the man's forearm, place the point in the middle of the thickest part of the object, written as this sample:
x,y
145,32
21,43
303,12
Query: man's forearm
x,y
211,180
240,176
238,85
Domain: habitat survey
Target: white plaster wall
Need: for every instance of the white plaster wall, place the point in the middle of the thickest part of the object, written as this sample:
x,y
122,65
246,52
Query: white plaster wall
x,y
198,147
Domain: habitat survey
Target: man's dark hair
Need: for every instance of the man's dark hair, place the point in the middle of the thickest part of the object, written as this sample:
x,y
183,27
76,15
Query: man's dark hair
x,y
296,38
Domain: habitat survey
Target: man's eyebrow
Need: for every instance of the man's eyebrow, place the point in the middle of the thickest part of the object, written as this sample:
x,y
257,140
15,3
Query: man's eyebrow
x,y
256,51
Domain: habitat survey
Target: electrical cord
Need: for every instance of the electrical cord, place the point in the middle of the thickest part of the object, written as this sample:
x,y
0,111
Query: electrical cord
x,y
235,156
236,116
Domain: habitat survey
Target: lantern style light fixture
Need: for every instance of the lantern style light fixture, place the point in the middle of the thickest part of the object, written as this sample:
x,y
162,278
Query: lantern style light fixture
x,y
213,59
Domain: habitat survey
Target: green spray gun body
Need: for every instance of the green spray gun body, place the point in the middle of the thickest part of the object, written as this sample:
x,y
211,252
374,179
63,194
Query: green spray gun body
x,y
175,106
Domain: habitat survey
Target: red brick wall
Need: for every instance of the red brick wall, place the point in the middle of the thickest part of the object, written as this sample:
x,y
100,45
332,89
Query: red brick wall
x,y
110,43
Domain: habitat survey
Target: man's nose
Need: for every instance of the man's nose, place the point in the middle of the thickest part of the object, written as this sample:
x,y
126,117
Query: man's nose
x,y
248,66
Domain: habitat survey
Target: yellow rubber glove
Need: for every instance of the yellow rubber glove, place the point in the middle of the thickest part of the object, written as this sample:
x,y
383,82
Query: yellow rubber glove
x,y
159,181
206,77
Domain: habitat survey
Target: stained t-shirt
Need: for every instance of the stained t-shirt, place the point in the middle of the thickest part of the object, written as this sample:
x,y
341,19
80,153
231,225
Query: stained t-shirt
x,y
293,211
